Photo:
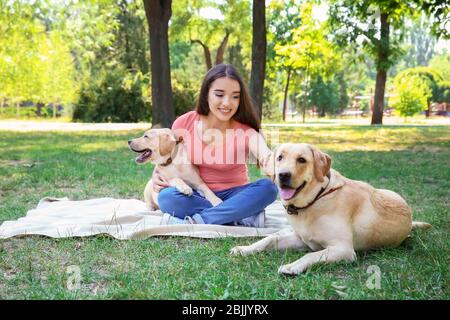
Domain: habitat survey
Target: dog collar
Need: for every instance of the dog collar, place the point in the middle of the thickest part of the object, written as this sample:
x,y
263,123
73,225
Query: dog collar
x,y
169,161
291,209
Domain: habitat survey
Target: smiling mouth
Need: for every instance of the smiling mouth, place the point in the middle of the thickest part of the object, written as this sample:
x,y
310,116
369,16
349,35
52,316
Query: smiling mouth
x,y
287,193
224,110
143,155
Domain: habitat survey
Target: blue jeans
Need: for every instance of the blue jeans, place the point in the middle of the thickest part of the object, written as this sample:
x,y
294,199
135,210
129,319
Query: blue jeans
x,y
238,203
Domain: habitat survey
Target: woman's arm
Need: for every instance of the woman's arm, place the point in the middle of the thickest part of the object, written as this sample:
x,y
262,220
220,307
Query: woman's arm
x,y
159,182
259,149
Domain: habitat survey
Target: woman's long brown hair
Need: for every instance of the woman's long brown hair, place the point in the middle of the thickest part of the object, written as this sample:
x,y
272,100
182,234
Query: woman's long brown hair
x,y
246,112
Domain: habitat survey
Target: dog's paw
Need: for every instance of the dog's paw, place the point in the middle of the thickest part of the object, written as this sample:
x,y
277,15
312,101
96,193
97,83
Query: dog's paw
x,y
292,269
240,250
185,190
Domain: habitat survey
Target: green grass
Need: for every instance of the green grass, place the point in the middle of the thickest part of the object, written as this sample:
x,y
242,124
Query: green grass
x,y
411,160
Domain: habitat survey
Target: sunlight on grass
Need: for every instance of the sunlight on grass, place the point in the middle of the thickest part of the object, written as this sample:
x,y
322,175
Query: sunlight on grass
x,y
99,146
368,139
412,160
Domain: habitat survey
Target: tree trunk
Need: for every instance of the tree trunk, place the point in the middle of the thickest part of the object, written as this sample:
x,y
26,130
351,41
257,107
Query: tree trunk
x,y
259,44
18,110
39,106
2,103
221,49
158,14
206,52
322,112
428,111
382,67
286,89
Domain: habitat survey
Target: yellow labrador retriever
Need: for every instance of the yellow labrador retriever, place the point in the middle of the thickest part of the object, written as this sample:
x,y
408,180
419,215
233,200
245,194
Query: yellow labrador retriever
x,y
330,214
160,147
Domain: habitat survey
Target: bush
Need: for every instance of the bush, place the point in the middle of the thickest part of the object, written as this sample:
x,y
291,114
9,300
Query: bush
x,y
444,91
411,95
28,112
184,97
116,97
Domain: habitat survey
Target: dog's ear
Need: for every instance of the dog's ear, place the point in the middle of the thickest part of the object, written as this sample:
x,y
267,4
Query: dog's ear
x,y
167,142
322,163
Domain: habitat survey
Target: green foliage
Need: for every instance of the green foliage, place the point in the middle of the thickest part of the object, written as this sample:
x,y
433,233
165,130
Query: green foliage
x,y
184,97
343,99
439,10
421,43
309,52
189,22
444,91
49,49
411,95
35,63
117,96
30,112
324,95
441,63
357,22
429,76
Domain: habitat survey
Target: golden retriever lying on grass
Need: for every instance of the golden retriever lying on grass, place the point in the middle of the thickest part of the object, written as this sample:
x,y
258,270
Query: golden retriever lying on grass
x,y
160,147
330,214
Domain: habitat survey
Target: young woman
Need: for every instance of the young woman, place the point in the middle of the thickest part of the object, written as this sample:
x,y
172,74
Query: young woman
x,y
220,135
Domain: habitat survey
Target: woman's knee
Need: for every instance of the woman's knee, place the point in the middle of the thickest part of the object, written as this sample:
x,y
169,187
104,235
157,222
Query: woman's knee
x,y
169,200
270,190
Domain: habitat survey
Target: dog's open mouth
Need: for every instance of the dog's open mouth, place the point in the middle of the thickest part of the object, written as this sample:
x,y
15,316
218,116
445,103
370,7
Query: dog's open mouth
x,y
287,193
143,155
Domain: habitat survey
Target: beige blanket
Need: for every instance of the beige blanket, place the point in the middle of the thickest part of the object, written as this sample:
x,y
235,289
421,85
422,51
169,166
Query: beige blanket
x,y
123,219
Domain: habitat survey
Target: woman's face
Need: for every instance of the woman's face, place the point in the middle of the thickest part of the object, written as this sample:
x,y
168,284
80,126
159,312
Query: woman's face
x,y
223,98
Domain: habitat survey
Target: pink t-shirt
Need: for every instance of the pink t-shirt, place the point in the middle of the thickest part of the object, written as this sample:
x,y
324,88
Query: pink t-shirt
x,y
221,166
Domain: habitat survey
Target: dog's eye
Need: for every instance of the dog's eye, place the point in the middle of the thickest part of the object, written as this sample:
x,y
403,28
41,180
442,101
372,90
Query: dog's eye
x,y
301,160
280,157
146,136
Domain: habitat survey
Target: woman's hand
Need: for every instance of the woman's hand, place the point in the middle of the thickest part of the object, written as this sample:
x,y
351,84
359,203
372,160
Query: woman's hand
x,y
159,182
258,147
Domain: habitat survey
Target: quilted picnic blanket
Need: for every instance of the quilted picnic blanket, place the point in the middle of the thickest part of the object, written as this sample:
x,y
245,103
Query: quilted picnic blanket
x,y
123,219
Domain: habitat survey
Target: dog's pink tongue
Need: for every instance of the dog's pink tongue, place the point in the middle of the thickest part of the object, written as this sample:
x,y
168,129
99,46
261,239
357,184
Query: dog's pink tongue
x,y
286,193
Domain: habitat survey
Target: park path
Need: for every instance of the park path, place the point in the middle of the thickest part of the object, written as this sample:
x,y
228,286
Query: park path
x,y
29,125
24,126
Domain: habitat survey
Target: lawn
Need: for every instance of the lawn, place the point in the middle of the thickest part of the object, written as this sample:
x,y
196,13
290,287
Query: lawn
x,y
411,160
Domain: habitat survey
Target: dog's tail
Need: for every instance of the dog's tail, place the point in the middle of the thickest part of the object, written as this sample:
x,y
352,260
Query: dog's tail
x,y
421,225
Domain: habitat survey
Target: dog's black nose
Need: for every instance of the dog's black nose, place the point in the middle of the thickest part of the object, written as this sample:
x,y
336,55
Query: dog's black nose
x,y
285,177
129,142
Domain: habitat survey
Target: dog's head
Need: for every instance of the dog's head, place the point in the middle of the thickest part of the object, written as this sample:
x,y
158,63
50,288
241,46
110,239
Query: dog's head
x,y
155,146
299,167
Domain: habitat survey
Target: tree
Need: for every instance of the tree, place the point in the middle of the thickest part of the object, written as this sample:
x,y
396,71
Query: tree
x,y
356,22
442,63
378,27
309,53
158,14
229,24
421,43
411,95
431,80
283,19
35,61
131,43
438,9
324,95
259,44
